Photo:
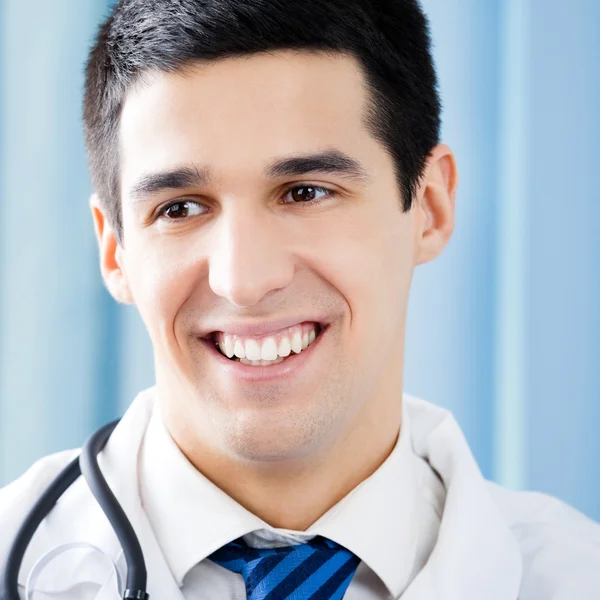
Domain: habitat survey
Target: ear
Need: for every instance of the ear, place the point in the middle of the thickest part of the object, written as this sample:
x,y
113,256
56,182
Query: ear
x,y
435,204
111,255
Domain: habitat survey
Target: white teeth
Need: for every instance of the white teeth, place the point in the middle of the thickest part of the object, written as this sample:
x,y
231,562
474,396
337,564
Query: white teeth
x,y
305,340
269,349
297,342
227,347
252,350
266,350
284,347
260,363
239,349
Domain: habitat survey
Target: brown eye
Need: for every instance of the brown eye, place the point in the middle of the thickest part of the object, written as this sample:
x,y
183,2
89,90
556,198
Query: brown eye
x,y
180,210
308,194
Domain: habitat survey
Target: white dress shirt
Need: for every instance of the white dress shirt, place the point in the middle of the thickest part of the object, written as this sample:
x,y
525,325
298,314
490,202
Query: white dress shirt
x,y
491,543
390,521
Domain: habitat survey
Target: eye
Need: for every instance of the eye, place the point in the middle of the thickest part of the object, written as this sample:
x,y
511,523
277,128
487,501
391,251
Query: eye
x,y
176,211
308,194
303,194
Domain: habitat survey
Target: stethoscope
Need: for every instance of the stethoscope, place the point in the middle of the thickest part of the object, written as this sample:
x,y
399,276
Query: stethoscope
x,y
85,464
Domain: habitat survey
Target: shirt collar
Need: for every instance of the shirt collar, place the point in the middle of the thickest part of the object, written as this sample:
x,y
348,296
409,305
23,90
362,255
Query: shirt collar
x,y
377,520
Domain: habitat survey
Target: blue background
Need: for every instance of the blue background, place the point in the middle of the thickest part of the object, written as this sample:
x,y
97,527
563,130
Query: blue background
x,y
503,328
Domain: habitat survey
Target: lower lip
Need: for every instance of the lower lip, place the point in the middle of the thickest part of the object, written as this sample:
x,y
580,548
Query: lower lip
x,y
290,367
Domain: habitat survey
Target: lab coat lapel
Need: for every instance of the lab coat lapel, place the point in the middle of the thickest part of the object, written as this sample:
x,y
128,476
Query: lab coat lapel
x,y
476,555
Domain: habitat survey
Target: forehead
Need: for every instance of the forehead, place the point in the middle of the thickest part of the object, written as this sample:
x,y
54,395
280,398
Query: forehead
x,y
236,114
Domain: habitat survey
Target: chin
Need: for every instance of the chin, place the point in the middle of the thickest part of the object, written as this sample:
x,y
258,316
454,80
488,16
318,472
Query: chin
x,y
257,441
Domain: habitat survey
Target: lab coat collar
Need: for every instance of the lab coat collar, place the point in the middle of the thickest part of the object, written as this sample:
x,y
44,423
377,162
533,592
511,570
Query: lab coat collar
x,y
476,555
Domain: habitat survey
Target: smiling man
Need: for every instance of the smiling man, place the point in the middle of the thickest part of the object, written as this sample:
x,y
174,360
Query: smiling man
x,y
265,247
268,175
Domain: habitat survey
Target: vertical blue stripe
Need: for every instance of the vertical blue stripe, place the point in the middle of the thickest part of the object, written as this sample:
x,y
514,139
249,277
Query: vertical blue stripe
x,y
511,258
564,256
51,346
3,175
106,391
450,329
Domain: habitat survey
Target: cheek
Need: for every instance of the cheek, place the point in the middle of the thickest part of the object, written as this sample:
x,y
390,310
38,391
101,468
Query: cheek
x,y
369,262
161,282
372,258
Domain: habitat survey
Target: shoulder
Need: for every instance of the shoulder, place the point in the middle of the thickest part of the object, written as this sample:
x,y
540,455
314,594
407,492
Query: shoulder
x,y
560,546
34,480
17,498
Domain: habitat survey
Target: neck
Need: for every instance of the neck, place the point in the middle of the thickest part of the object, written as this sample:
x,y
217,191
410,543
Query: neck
x,y
294,495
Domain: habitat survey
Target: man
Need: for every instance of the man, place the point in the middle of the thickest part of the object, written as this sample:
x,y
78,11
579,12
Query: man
x,y
267,176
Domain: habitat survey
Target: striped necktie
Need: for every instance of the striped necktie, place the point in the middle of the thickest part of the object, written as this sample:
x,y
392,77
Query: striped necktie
x,y
317,570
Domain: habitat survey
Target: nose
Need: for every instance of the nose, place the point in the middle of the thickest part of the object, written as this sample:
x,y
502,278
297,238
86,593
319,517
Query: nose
x,y
249,257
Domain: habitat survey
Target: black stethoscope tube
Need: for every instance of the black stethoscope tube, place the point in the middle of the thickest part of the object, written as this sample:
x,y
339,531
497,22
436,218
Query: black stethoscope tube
x,y
136,566
9,585
87,464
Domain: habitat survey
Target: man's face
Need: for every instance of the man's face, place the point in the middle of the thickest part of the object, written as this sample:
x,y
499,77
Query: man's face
x,y
246,244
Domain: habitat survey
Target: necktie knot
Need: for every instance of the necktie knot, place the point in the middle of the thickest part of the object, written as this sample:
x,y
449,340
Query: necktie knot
x,y
316,570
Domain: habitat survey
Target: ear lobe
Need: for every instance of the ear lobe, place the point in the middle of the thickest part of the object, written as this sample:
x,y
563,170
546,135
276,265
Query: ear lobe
x,y
111,255
436,204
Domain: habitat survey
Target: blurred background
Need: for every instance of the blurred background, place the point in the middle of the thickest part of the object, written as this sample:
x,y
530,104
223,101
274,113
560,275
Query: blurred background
x,y
503,328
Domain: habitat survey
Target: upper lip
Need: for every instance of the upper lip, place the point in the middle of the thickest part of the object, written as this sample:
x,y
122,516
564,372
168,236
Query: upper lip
x,y
250,329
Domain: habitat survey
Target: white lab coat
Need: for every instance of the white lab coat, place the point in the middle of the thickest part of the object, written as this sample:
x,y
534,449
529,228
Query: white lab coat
x,y
493,544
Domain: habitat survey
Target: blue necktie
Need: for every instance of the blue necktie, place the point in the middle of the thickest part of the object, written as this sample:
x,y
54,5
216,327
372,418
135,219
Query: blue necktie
x,y
317,570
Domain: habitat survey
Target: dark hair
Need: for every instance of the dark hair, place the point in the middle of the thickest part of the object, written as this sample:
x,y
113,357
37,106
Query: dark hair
x,y
389,38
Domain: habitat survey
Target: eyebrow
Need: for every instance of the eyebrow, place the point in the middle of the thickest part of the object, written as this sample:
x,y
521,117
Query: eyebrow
x,y
330,161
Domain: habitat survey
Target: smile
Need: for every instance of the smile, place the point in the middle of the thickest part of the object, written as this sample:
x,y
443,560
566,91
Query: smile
x,y
269,349
287,352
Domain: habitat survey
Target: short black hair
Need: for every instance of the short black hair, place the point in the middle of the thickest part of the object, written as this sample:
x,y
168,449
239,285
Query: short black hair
x,y
390,39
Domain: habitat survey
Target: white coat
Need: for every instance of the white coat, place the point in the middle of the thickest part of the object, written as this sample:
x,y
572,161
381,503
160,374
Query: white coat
x,y
493,544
